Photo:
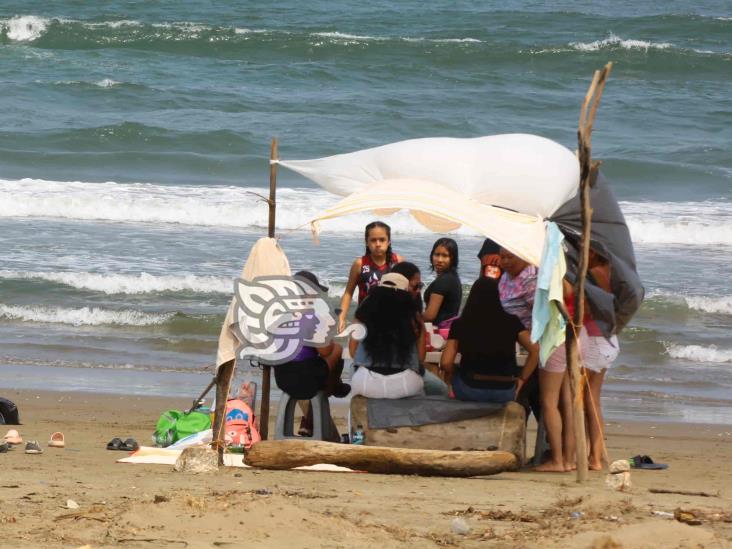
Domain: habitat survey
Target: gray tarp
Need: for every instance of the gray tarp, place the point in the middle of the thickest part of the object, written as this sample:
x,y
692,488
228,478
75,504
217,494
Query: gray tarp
x,y
611,238
384,413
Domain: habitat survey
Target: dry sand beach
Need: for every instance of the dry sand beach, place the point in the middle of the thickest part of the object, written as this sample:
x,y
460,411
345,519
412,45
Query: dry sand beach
x,y
153,506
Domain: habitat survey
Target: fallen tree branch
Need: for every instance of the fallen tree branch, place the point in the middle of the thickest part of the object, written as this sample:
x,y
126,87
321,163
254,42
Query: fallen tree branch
x,y
682,492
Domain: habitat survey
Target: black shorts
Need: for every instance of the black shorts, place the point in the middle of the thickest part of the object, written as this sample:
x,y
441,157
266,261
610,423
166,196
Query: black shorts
x,y
302,379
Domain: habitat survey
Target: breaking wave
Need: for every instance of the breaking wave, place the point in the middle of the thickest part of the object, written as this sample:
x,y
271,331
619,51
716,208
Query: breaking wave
x,y
615,42
706,304
25,28
85,316
69,33
224,206
673,223
699,353
141,283
686,223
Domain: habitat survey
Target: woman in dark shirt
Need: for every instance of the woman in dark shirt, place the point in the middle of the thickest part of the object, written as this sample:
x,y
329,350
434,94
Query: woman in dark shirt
x,y
443,296
485,336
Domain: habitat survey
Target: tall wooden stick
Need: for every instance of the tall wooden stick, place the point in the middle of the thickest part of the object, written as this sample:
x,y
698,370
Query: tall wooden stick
x,y
588,170
267,371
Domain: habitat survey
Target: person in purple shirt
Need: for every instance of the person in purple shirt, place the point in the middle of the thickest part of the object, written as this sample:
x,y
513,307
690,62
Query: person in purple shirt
x,y
312,370
517,286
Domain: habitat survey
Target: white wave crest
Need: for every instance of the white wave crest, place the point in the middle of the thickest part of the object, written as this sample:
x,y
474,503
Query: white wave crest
x,y
686,223
699,353
86,316
241,30
107,83
346,36
224,206
128,283
615,41
716,305
365,38
707,304
24,28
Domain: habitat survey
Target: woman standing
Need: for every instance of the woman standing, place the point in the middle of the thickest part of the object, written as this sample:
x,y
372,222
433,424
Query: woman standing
x,y
367,270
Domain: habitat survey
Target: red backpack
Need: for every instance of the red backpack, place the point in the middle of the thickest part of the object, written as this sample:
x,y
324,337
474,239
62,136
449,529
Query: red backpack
x,y
239,427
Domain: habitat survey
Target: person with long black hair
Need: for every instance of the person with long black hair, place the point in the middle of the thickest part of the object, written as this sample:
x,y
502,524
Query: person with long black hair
x,y
485,336
388,360
443,296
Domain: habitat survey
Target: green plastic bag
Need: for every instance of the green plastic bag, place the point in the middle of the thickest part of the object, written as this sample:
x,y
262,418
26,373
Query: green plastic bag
x,y
174,425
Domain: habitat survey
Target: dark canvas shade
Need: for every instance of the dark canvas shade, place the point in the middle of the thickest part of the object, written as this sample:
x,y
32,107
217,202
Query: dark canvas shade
x,y
611,238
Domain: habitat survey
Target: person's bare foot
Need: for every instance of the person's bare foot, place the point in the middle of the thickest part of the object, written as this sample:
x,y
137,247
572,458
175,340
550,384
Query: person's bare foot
x,y
549,467
570,467
595,466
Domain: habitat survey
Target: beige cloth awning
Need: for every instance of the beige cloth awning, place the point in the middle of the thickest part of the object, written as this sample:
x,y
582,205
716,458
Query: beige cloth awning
x,y
266,258
442,209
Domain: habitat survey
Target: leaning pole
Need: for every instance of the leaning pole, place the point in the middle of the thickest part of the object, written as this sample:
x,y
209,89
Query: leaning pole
x,y
588,173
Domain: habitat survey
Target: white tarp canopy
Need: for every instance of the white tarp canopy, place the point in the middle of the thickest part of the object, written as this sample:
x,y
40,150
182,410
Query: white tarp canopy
x,y
521,172
442,209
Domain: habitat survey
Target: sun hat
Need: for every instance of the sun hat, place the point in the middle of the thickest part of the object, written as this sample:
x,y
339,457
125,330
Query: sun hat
x,y
394,280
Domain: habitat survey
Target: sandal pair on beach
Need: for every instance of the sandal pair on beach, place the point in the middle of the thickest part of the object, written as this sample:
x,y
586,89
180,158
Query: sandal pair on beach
x,y
13,438
129,445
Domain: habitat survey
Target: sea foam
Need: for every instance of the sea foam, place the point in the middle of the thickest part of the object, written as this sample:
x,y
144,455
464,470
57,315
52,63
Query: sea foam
x,y
141,283
24,28
213,206
699,353
613,41
686,223
85,316
708,304
682,223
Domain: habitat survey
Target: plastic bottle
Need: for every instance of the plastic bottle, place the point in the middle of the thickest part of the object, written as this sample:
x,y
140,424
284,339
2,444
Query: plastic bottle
x,y
358,436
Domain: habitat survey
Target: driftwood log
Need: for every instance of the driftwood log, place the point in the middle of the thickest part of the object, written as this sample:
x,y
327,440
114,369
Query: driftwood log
x,y
287,454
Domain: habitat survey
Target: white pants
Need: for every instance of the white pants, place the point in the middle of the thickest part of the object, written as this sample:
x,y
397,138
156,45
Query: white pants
x,y
373,385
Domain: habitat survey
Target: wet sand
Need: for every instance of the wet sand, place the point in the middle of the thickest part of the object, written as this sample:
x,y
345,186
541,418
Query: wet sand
x,y
153,506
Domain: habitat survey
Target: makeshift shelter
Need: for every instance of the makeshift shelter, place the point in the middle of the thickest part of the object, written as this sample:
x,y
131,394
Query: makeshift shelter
x,y
502,186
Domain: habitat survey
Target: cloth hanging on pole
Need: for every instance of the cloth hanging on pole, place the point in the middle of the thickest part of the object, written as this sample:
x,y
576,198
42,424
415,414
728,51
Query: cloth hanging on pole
x,y
266,258
547,323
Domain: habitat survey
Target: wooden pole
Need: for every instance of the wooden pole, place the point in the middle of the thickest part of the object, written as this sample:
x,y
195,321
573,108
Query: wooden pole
x,y
223,383
588,170
267,370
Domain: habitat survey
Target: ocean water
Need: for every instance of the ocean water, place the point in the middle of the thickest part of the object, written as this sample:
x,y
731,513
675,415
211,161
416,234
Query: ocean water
x,y
134,133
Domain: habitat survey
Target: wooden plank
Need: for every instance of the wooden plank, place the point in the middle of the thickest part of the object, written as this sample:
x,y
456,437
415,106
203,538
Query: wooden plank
x,y
286,454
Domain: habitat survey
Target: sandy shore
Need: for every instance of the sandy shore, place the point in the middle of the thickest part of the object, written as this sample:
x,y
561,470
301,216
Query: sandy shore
x,y
152,506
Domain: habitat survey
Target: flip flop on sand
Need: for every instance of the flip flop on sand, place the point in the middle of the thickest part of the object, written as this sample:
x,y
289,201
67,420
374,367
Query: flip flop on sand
x,y
115,444
4,447
645,462
130,445
32,447
57,440
13,437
